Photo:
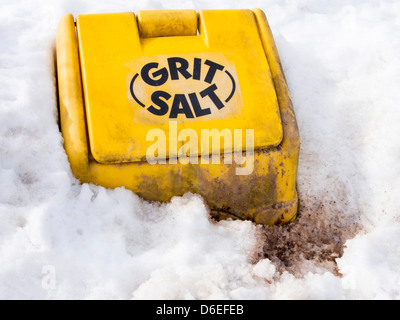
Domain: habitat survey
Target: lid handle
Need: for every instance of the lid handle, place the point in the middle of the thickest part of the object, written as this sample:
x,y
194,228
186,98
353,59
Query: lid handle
x,y
167,23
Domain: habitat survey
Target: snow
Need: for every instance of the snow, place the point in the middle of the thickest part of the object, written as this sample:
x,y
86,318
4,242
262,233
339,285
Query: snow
x,y
63,240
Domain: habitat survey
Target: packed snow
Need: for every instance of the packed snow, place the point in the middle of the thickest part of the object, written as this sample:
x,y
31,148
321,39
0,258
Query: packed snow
x,y
60,239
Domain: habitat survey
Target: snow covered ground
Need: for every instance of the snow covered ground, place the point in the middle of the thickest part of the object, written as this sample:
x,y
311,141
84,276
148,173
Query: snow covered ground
x,y
63,240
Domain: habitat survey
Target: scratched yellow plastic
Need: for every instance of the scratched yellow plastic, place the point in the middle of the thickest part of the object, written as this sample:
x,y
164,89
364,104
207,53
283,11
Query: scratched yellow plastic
x,y
169,23
104,142
112,52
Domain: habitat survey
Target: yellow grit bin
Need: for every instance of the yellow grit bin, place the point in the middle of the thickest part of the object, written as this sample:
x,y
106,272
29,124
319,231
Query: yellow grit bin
x,y
174,101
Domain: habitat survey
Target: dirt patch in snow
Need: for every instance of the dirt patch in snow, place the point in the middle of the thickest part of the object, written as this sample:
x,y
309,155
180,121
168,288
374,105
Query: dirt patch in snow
x,y
315,239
